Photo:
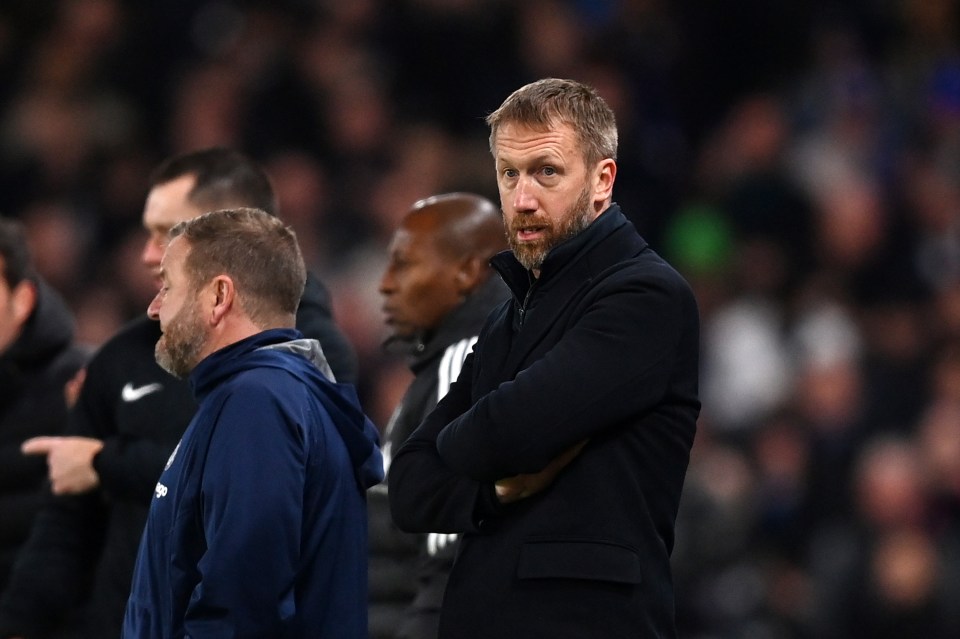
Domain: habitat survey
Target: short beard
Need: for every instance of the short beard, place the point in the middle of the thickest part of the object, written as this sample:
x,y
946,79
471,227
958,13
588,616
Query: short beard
x,y
532,254
178,349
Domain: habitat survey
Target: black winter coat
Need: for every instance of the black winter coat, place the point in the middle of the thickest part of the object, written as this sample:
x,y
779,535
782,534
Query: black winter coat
x,y
408,572
33,371
602,347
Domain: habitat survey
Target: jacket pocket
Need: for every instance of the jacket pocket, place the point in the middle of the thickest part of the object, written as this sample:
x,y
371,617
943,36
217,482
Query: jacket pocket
x,y
581,559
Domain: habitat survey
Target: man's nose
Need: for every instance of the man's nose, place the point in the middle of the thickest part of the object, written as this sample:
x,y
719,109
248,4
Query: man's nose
x,y
152,252
153,310
524,196
386,283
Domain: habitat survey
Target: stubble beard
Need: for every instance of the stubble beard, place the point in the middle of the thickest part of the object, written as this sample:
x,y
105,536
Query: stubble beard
x,y
178,349
532,254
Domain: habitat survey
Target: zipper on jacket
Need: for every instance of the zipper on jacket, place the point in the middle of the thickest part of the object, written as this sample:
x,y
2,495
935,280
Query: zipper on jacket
x,y
522,310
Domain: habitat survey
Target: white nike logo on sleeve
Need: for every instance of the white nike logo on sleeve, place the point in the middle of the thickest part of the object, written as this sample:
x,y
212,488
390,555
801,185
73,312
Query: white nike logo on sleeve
x,y
131,393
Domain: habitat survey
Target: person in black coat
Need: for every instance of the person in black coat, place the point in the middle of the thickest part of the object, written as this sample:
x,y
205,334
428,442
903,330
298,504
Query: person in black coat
x,y
129,417
38,357
560,452
437,288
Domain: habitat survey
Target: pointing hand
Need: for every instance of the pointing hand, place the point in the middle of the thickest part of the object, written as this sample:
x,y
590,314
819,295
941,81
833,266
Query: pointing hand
x,y
69,460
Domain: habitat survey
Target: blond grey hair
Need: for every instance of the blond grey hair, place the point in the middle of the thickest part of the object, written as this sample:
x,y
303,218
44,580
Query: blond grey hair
x,y
550,101
255,249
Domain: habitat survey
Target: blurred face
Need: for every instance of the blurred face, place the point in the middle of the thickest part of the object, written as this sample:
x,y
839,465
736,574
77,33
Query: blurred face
x,y
8,327
167,204
419,284
184,334
14,309
547,192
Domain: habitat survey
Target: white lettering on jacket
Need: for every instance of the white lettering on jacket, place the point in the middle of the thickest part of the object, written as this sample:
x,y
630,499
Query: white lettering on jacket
x,y
438,541
452,363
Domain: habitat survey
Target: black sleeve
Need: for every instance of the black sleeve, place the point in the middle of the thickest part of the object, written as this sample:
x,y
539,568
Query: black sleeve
x,y
425,494
54,567
137,443
20,472
42,410
128,467
616,360
315,320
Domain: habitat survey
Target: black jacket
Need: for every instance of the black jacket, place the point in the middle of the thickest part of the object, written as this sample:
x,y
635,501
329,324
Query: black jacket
x,y
408,572
140,412
602,347
33,371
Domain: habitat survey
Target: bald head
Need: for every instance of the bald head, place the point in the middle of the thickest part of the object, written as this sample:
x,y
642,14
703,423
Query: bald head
x,y
460,224
438,256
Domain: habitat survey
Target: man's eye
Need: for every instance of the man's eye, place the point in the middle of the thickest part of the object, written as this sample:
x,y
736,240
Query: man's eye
x,y
510,173
549,171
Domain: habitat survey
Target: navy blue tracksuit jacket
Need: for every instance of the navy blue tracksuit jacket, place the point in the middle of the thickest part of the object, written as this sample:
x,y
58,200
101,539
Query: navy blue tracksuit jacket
x,y
258,523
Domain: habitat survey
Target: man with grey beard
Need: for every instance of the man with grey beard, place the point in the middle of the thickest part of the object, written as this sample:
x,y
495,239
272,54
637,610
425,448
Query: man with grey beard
x,y
258,523
127,419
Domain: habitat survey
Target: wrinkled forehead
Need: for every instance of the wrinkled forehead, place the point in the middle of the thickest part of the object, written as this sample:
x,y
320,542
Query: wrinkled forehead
x,y
538,122
518,141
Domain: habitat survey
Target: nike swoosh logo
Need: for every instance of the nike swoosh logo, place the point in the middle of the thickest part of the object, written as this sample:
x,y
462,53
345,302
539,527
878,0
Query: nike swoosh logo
x,y
131,393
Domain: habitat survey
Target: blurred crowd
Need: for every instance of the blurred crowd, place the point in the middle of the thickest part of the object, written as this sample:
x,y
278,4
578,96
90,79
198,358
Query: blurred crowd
x,y
798,161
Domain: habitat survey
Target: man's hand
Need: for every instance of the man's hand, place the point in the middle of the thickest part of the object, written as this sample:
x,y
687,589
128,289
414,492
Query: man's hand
x,y
69,460
520,487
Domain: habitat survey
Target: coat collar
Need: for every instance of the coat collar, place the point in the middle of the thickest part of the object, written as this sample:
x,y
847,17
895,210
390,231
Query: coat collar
x,y
607,240
229,359
569,267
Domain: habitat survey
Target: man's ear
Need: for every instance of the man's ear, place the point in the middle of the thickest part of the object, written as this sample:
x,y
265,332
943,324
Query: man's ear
x,y
24,298
224,294
604,177
469,274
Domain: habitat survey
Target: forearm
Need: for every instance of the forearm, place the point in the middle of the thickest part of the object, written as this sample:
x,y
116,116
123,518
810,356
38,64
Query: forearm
x,y
426,495
564,397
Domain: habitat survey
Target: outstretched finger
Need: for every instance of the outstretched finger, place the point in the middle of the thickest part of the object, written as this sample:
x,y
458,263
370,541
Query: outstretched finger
x,y
38,445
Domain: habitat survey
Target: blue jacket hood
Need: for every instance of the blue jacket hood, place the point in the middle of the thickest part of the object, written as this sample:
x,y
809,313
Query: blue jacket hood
x,y
287,349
